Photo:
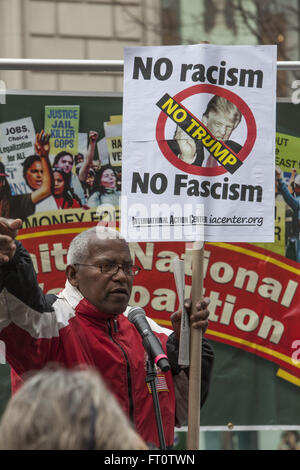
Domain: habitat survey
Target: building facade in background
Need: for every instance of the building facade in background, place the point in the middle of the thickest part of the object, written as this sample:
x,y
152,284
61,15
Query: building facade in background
x,y
73,29
100,29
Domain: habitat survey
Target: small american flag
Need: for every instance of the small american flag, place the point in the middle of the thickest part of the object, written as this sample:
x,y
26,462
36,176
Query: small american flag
x,y
161,384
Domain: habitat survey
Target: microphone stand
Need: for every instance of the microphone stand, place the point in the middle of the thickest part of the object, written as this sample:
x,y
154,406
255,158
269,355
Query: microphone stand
x,y
151,379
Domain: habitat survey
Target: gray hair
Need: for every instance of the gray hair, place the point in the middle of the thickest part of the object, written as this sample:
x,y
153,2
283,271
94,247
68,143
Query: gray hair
x,y
78,250
66,410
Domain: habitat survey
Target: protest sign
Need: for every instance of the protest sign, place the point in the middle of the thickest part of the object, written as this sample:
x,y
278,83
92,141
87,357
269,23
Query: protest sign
x,y
16,143
198,150
110,146
113,134
287,152
82,142
62,123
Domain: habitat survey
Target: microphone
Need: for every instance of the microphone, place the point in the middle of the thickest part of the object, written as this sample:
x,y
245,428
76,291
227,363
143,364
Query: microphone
x,y
151,343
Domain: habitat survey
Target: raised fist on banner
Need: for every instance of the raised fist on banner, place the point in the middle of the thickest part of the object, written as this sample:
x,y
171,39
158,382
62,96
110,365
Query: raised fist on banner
x,y
42,146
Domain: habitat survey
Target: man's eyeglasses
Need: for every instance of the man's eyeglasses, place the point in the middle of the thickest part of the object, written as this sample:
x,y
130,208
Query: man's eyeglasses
x,y
112,268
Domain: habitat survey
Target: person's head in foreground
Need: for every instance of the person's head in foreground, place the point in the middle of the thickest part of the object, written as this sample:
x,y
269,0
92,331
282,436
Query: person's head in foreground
x,y
66,410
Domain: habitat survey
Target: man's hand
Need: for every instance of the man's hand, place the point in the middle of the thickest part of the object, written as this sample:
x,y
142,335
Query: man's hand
x,y
42,146
8,232
187,146
198,320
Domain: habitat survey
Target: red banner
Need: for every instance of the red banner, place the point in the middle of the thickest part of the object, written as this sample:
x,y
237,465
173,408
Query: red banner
x,y
254,294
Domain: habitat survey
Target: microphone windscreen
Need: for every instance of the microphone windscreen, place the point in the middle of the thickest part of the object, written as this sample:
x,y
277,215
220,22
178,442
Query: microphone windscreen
x,y
133,312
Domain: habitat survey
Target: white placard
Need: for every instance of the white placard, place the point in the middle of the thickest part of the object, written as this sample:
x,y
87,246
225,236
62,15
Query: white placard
x,y
185,107
184,341
17,140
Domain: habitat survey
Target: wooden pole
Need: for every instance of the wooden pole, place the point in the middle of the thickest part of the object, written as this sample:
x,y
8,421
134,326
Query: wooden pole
x,y
193,438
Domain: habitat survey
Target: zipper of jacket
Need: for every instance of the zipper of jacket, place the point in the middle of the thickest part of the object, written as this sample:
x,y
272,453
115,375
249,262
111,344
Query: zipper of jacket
x,y
127,367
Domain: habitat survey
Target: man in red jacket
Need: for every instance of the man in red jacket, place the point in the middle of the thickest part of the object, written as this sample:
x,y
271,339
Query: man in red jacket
x,y
87,324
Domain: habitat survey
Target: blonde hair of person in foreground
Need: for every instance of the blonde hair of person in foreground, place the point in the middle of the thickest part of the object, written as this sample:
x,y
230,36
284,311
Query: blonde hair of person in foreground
x,y
66,410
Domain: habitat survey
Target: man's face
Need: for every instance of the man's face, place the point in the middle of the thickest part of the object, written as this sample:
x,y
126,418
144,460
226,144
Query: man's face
x,y
66,163
221,125
108,293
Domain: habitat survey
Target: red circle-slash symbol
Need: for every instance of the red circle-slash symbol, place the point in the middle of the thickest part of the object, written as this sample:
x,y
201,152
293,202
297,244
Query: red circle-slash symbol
x,y
215,90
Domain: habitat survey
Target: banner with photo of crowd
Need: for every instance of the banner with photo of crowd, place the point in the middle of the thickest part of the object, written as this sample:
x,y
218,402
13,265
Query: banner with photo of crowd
x,y
60,171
